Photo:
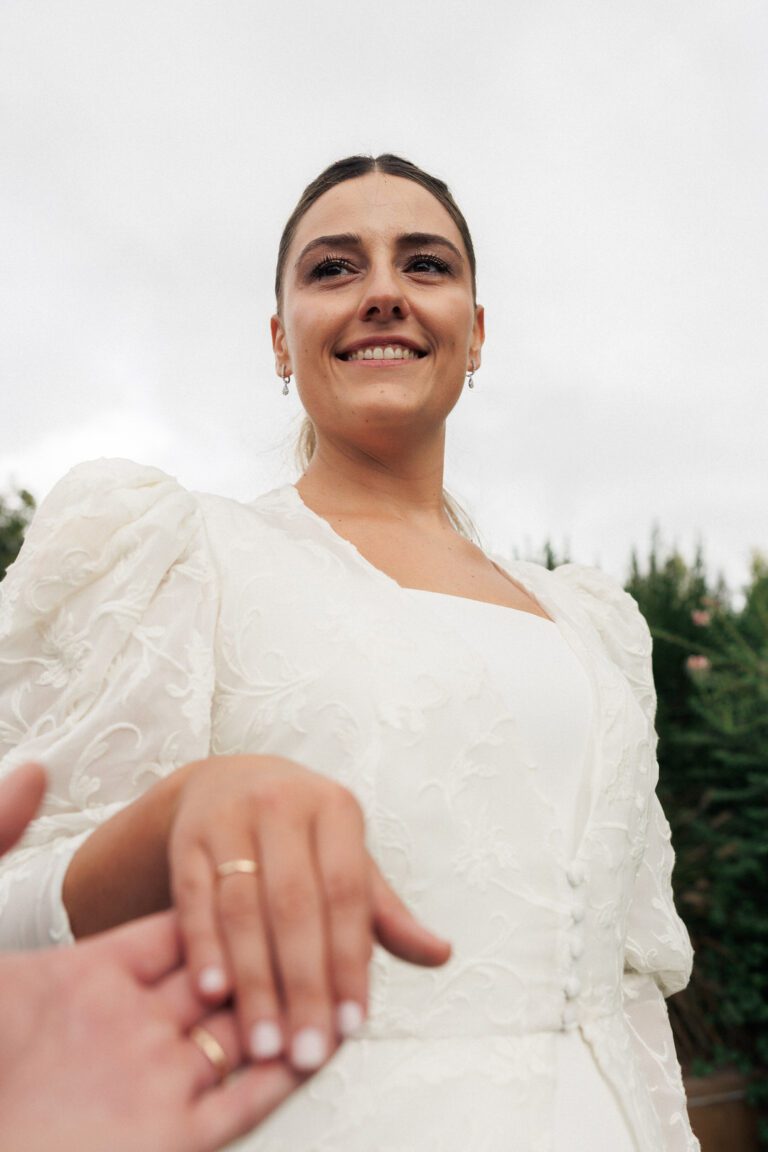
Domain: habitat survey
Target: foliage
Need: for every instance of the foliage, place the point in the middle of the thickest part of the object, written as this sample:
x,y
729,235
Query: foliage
x,y
711,669
16,511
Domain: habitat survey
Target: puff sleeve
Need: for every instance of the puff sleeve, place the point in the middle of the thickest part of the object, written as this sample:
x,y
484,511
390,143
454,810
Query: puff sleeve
x,y
657,951
106,667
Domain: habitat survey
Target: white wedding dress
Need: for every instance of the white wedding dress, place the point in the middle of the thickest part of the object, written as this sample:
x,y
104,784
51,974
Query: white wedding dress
x,y
505,765
550,697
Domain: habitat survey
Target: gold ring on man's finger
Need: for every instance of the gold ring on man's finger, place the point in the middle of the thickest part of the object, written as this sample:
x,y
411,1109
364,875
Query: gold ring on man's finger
x,y
212,1050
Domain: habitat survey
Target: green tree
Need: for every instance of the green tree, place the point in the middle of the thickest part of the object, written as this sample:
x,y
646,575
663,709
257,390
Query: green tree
x,y
677,601
16,511
730,830
711,670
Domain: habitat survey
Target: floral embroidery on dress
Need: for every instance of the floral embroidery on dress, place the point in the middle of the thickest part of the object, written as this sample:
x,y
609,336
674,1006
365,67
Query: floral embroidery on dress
x,y
144,627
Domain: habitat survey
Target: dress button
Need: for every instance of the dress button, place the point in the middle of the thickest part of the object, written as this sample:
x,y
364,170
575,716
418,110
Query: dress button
x,y
572,987
575,874
577,946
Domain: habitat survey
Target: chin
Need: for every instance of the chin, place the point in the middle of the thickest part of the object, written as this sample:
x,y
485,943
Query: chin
x,y
388,425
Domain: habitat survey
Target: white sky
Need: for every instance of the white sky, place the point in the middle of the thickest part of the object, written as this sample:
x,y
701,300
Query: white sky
x,y
611,158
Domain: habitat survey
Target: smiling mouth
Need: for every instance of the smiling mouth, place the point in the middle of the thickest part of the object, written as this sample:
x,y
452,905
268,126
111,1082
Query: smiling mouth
x,y
381,352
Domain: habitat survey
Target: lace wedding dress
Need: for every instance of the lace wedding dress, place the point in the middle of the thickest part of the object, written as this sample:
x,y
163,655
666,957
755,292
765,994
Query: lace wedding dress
x,y
505,764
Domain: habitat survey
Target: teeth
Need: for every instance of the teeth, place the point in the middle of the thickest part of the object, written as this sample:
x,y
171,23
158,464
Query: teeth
x,y
383,352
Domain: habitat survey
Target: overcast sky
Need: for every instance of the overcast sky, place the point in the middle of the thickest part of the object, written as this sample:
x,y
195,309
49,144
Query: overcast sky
x,y
611,158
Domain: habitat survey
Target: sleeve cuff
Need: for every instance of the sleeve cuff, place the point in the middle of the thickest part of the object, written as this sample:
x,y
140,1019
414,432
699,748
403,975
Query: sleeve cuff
x,y
36,917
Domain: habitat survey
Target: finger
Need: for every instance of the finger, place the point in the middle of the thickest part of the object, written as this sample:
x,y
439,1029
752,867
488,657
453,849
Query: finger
x,y
294,905
20,796
178,1003
345,875
219,1030
193,889
177,1000
241,920
150,948
399,931
232,1109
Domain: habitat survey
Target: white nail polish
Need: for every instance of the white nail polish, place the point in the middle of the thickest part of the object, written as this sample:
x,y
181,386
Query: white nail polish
x,y
212,981
266,1040
349,1017
308,1050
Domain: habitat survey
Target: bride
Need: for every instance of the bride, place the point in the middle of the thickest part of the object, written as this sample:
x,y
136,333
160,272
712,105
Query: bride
x,y
277,715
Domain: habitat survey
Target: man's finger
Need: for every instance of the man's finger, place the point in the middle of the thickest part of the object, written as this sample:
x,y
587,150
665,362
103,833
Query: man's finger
x,y
234,1108
20,796
149,948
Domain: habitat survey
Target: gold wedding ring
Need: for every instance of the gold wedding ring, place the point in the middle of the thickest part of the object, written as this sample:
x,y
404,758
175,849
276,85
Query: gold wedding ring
x,y
212,1050
230,867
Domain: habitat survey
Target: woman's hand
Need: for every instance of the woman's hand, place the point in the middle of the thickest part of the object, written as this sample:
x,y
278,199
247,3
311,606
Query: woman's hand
x,y
292,941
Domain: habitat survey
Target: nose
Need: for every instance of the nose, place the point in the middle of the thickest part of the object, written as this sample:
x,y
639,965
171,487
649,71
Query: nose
x,y
383,298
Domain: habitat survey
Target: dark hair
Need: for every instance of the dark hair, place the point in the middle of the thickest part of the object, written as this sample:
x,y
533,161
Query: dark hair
x,y
349,169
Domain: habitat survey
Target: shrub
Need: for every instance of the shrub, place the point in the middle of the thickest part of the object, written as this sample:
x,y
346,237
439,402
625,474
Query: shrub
x,y
16,511
711,667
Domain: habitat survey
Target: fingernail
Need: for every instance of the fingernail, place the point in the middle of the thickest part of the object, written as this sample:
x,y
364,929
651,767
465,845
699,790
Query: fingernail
x,y
349,1017
266,1040
308,1050
212,981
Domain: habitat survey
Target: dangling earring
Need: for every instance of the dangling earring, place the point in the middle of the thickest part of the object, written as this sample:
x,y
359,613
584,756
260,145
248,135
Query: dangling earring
x,y
286,381
471,374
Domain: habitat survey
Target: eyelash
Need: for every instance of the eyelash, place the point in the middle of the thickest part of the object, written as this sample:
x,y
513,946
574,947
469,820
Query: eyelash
x,y
318,272
432,259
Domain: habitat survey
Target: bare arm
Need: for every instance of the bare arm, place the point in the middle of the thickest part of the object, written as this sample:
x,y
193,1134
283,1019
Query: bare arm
x,y
121,871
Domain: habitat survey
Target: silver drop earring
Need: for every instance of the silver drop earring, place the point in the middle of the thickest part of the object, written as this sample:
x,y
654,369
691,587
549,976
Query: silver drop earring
x,y
286,382
471,375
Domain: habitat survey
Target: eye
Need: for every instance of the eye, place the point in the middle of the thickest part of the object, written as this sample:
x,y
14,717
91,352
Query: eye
x,y
427,262
330,267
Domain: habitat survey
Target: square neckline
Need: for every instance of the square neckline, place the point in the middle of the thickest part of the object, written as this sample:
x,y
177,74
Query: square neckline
x,y
347,544
533,579
484,603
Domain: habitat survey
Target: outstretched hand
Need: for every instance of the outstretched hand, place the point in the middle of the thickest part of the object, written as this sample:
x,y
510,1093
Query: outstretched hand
x,y
291,938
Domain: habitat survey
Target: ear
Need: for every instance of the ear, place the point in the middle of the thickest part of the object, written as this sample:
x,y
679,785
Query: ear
x,y
478,338
280,346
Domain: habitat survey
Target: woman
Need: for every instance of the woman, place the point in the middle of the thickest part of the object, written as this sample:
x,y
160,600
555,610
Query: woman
x,y
335,665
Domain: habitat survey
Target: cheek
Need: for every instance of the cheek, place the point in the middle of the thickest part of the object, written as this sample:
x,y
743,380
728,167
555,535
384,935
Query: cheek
x,y
458,321
310,331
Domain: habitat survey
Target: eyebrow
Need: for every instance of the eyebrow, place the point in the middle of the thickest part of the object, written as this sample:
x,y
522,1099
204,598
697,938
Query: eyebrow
x,y
406,240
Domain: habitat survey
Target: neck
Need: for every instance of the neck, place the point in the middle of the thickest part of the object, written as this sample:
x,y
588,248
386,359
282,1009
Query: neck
x,y
405,485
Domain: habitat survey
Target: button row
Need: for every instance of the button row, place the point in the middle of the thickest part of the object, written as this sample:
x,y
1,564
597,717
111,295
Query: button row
x,y
576,876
